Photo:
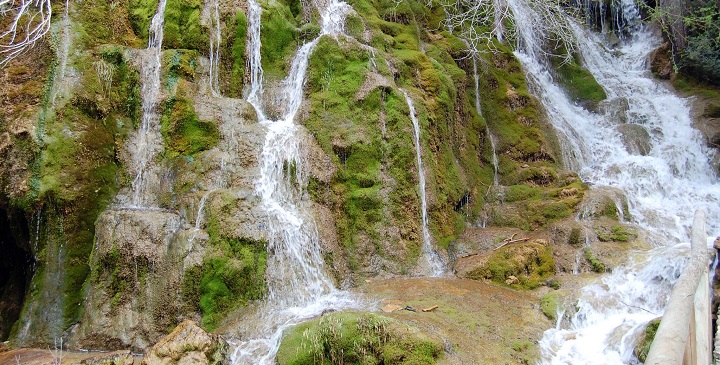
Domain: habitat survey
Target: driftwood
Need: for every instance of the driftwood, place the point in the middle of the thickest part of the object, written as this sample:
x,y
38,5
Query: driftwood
x,y
430,309
510,240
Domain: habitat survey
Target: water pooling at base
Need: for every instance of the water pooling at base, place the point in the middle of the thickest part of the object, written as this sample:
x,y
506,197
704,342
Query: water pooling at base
x,y
664,187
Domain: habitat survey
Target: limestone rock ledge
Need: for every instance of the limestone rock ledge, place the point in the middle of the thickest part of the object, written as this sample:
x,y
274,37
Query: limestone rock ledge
x,y
188,344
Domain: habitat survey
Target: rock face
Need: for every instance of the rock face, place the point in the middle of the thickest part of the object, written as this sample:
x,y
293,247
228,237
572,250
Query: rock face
x,y
133,289
188,344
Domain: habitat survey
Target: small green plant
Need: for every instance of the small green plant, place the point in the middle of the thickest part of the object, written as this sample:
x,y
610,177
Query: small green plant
x,y
595,264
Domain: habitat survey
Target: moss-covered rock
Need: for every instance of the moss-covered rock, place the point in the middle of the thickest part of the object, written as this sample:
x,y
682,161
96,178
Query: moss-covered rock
x,y
644,341
519,265
356,338
184,133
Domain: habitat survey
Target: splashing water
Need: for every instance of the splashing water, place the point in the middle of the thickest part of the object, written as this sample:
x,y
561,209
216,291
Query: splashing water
x,y
436,267
663,188
299,287
147,141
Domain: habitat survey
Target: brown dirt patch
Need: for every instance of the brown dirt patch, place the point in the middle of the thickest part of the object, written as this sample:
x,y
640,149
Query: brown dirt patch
x,y
479,323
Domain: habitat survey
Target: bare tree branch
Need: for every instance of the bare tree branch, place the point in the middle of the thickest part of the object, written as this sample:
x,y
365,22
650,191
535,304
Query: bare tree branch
x,y
24,23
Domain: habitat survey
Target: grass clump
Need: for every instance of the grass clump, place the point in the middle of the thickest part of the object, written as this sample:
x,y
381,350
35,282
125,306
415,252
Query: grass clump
x,y
615,233
354,338
595,264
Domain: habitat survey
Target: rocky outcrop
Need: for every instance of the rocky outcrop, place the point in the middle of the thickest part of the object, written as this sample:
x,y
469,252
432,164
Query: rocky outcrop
x,y
188,344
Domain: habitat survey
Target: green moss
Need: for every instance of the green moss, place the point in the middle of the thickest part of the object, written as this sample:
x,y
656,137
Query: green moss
x,y
278,39
238,55
575,237
642,346
521,192
580,83
615,233
595,264
531,264
184,133
549,305
140,13
100,22
353,338
182,29
232,272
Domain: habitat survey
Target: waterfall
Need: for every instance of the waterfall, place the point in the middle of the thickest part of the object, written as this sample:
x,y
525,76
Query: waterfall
x,y
147,141
298,284
436,267
254,96
663,188
215,42
491,137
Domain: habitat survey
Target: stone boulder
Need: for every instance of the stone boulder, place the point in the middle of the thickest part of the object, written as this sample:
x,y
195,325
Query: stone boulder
x,y
635,138
615,110
188,344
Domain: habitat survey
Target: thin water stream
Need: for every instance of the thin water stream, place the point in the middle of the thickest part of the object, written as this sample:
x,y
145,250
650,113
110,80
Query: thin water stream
x,y
435,264
663,187
146,144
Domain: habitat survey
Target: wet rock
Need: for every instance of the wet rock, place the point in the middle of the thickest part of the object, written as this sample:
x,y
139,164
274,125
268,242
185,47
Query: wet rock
x,y
188,344
615,110
636,139
605,201
132,291
661,62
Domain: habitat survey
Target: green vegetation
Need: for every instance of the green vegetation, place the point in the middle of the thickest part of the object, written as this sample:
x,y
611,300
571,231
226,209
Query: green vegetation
x,y
549,305
184,133
530,263
232,273
642,346
238,55
140,13
615,233
182,29
595,264
354,338
580,83
278,39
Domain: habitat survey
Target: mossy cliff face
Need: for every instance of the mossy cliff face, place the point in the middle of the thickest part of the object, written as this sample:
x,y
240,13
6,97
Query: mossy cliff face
x,y
102,275
75,101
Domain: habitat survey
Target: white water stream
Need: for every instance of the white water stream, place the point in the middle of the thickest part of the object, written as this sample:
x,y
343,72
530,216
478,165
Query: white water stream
x,y
299,286
215,43
491,137
663,188
146,143
435,264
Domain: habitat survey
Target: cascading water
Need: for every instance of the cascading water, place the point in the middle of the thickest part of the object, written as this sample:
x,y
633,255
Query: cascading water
x,y
436,267
663,188
215,41
147,141
491,137
298,284
254,96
